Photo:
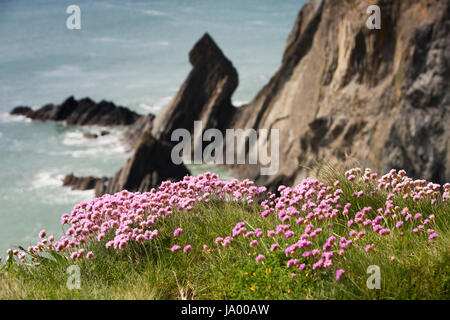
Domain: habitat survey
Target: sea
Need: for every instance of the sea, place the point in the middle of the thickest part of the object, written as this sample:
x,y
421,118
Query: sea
x,y
134,53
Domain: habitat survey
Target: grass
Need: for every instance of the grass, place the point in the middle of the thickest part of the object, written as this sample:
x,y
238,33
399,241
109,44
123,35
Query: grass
x,y
410,266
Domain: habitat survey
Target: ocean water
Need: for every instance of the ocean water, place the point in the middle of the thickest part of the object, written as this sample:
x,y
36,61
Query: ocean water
x,y
134,53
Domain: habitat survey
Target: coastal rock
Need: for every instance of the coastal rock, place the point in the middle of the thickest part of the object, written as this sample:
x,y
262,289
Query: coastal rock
x,y
148,167
90,135
205,95
134,131
349,95
81,183
81,112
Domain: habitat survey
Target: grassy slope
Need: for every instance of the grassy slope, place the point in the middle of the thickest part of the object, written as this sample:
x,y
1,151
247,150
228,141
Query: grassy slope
x,y
420,270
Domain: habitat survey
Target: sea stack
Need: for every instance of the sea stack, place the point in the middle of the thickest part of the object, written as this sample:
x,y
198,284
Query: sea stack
x,y
81,112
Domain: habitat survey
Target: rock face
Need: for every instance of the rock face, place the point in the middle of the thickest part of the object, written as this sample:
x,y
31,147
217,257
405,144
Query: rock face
x,y
81,183
344,93
134,131
150,165
205,95
81,112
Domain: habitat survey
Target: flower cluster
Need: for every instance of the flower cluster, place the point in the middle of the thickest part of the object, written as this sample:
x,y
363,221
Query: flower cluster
x,y
299,215
134,217
300,209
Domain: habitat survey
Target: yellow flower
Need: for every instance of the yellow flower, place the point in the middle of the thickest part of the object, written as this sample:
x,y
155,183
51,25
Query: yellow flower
x,y
268,271
253,288
245,273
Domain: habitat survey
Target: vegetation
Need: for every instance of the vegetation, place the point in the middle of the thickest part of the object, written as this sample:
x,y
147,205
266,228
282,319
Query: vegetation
x,y
413,256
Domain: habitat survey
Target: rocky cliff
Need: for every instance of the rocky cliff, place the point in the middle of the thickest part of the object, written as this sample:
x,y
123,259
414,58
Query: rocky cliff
x,y
81,112
379,98
343,93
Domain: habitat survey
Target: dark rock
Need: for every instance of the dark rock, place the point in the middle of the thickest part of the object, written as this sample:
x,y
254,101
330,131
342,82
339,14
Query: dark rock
x,y
205,95
81,183
105,133
82,112
348,95
90,135
22,111
149,166
134,131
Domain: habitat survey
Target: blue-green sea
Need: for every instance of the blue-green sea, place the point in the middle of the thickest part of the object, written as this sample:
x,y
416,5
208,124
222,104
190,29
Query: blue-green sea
x,y
134,53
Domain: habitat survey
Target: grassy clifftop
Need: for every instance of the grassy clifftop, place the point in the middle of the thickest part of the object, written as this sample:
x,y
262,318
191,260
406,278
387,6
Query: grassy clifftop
x,y
231,240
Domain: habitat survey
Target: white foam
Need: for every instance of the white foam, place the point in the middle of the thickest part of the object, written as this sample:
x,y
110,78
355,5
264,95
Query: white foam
x,y
105,39
154,13
74,138
71,71
49,183
154,44
239,103
6,118
157,106
46,179
95,152
62,71
69,196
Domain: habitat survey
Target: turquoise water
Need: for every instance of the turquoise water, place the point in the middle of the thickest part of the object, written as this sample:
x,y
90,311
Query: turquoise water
x,y
134,53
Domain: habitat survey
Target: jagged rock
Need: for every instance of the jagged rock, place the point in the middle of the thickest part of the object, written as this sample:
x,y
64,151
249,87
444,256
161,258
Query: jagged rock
x,y
81,183
148,167
22,111
133,132
205,95
81,112
344,93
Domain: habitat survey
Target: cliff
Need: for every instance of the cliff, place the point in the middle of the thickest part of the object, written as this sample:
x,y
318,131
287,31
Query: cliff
x,y
343,93
346,93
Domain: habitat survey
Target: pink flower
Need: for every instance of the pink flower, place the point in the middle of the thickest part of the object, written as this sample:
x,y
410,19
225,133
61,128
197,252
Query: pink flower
x,y
89,255
292,262
42,234
270,233
253,243
218,240
289,234
339,273
260,258
274,247
187,248
177,232
432,236
175,248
